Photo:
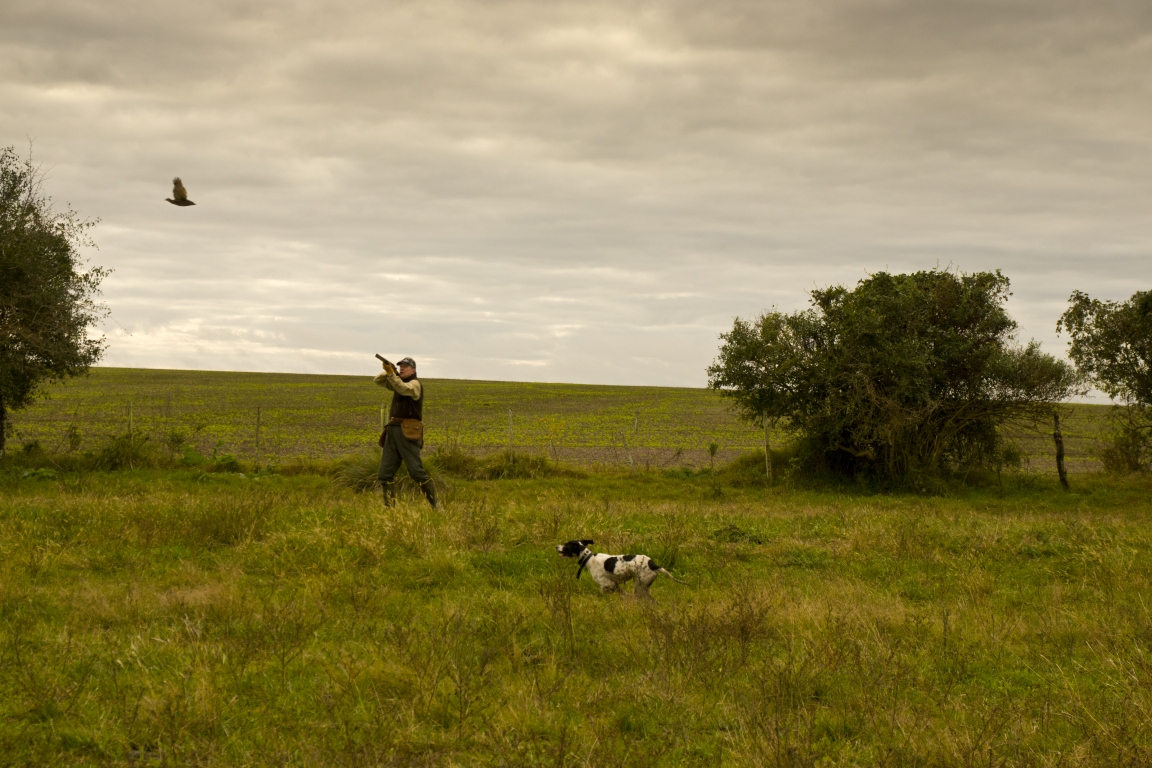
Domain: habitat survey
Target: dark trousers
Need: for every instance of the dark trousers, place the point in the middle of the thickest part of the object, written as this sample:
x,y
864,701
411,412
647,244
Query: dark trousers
x,y
398,448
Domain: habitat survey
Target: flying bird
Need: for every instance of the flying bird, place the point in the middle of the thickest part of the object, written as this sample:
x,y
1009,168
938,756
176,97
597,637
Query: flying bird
x,y
179,194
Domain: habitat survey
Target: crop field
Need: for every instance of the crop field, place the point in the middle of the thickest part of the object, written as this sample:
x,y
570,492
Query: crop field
x,y
179,618
277,417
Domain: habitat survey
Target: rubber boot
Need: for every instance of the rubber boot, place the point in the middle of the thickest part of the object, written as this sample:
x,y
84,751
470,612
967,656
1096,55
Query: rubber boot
x,y
430,493
389,493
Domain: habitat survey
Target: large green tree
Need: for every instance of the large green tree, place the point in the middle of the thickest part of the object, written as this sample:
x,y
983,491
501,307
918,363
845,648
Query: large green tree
x,y
1111,343
47,295
905,373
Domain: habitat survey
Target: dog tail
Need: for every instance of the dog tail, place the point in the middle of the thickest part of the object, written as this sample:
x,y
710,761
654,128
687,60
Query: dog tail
x,y
661,570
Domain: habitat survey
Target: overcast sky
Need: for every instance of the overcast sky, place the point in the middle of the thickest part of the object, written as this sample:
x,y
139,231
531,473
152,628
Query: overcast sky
x,y
583,191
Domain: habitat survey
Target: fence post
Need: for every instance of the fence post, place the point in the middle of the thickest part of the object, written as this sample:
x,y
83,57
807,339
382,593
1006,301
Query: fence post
x,y
767,453
624,437
1058,438
257,437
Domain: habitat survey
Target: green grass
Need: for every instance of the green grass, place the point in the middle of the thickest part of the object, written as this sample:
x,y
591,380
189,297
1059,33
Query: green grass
x,y
227,620
310,416
321,417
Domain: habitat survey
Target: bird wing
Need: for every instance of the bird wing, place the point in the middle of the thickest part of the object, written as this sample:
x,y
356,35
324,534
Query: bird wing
x,y
178,190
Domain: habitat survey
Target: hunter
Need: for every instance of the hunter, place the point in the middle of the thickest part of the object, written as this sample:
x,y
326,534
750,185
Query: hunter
x,y
403,436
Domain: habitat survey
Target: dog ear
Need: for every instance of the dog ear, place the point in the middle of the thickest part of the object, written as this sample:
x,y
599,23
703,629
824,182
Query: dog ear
x,y
586,542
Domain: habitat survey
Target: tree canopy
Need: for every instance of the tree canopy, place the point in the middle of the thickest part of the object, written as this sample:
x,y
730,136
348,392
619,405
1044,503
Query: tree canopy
x,y
904,373
1112,345
47,297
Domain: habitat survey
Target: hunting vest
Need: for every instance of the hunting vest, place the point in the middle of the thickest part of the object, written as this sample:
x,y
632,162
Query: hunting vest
x,y
405,407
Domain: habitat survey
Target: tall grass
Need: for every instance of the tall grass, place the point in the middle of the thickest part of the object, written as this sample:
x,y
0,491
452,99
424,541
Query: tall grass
x,y
500,465
219,620
121,451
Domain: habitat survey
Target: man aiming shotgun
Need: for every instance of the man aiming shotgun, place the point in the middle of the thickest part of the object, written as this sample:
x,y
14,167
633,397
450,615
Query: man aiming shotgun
x,y
403,435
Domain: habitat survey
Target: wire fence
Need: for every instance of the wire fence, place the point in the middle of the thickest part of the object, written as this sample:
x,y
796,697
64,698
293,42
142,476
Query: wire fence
x,y
643,439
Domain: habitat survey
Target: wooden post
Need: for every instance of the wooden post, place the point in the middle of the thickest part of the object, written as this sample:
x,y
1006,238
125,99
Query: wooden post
x,y
257,437
767,453
628,450
1058,437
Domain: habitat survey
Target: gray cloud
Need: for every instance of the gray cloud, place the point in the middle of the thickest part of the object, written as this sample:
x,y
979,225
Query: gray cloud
x,y
527,190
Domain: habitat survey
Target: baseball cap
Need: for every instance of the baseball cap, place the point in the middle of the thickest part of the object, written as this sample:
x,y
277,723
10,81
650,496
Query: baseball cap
x,y
406,361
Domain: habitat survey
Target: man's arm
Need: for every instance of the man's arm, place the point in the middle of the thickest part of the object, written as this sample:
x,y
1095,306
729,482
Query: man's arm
x,y
393,382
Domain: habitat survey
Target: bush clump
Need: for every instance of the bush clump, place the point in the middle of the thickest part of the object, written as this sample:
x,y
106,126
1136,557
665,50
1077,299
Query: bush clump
x,y
359,473
1129,449
905,376
127,451
503,465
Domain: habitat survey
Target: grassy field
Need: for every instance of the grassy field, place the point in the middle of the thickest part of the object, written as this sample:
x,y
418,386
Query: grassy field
x,y
310,417
228,620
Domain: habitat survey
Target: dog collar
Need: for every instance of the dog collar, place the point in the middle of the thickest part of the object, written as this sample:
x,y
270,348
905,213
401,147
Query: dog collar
x,y
583,561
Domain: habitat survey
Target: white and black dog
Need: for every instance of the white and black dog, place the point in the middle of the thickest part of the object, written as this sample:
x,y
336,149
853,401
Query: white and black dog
x,y
610,571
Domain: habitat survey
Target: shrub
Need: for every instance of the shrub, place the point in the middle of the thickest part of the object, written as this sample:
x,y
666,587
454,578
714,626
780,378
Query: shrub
x,y
74,437
907,375
1127,450
748,469
455,461
190,457
502,465
176,441
507,465
127,451
1112,344
357,472
226,462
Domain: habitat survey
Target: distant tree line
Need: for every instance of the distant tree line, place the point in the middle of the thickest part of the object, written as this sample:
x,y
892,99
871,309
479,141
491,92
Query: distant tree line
x,y
921,373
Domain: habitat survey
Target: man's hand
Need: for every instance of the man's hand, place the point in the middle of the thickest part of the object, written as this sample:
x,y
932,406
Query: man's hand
x,y
389,368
